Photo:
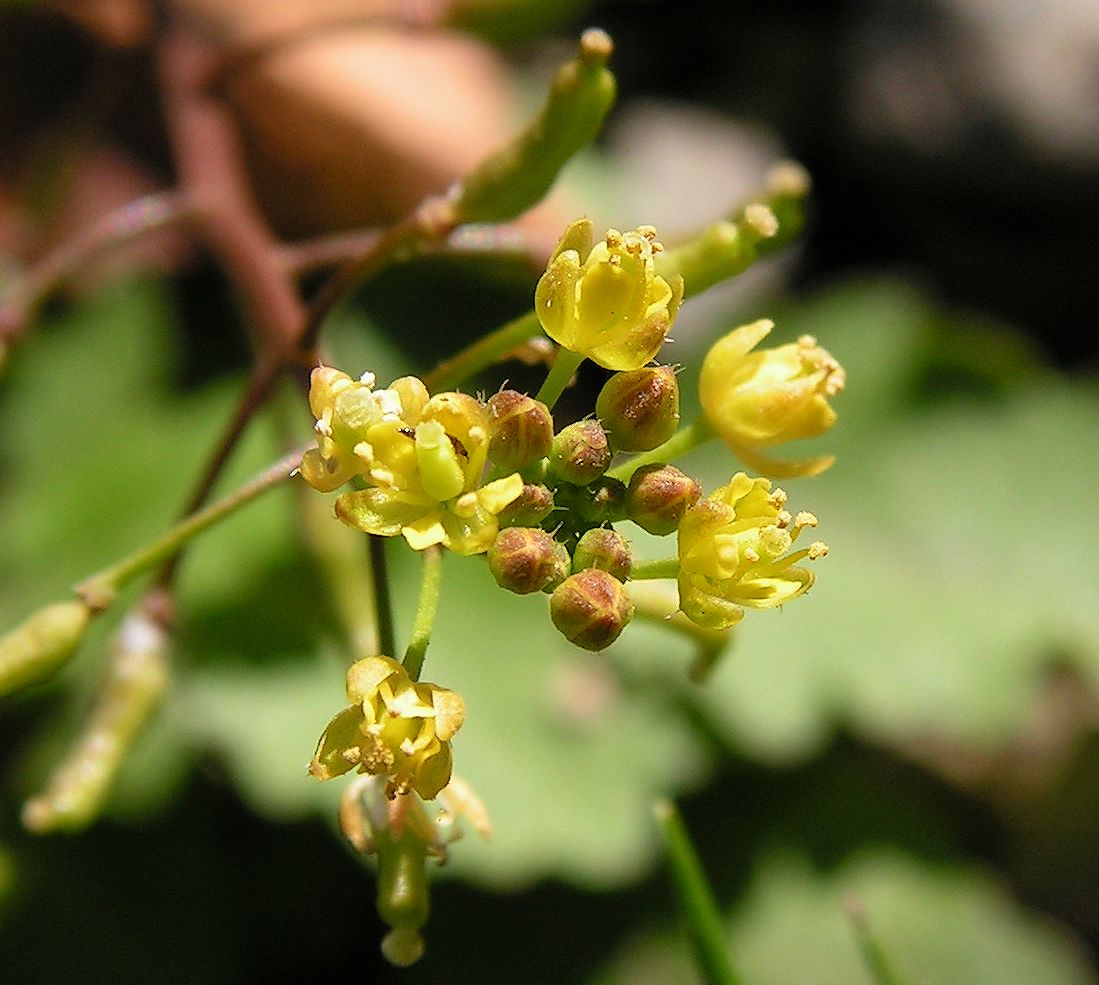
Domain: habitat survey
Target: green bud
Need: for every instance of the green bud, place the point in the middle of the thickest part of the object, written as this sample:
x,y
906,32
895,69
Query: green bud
x,y
562,568
520,430
41,644
581,452
529,509
522,559
606,549
658,496
640,407
590,609
519,175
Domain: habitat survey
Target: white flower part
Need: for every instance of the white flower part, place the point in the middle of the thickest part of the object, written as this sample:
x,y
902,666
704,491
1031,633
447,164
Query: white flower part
x,y
368,379
389,403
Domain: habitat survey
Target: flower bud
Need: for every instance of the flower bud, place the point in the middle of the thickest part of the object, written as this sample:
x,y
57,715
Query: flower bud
x,y
581,452
522,559
658,496
639,408
562,568
41,644
605,549
520,430
529,509
590,609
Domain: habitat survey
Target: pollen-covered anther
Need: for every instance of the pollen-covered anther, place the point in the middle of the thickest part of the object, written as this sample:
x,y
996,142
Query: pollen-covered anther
x,y
751,555
368,379
353,754
761,219
777,499
782,521
613,238
817,550
805,519
649,232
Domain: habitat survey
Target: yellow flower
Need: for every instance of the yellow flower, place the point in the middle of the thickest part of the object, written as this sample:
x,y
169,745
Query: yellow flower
x,y
395,728
605,301
732,553
349,414
426,469
757,400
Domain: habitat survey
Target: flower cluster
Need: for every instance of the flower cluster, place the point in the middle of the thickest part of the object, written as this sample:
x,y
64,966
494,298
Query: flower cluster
x,y
546,502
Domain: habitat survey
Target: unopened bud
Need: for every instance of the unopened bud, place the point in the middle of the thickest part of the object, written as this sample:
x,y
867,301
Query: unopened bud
x,y
41,644
606,549
639,408
520,430
590,609
581,452
562,568
529,508
522,559
658,496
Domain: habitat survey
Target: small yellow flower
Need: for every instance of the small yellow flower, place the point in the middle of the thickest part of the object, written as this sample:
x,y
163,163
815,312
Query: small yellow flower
x,y
756,400
426,472
605,301
732,553
395,728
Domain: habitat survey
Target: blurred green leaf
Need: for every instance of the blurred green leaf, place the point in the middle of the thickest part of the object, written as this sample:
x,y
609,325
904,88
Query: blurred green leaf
x,y
938,925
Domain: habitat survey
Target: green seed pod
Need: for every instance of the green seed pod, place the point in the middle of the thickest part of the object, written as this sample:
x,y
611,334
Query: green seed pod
x,y
590,609
606,549
403,901
520,430
41,644
640,407
522,559
519,175
529,509
581,452
658,496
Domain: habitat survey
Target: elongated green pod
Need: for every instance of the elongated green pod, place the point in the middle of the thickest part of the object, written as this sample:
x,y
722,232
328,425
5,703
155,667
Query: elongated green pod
x,y
41,644
132,688
727,248
518,175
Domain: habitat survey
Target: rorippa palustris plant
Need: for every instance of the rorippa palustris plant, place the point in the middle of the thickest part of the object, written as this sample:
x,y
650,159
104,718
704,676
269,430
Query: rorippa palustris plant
x,y
548,504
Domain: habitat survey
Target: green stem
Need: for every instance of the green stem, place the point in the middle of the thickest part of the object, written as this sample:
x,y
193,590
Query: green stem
x,y
877,964
684,440
667,567
562,370
100,589
704,922
431,575
383,606
710,644
483,353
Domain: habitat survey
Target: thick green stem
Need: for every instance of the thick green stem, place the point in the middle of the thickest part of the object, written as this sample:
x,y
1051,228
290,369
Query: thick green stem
x,y
100,589
431,576
684,440
704,922
667,567
562,370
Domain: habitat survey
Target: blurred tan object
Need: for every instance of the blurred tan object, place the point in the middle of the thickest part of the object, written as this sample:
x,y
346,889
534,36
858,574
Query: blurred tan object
x,y
120,23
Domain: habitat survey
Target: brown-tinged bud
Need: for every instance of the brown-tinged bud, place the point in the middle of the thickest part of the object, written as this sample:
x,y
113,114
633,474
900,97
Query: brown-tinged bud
x,y
639,408
581,452
41,644
591,608
606,549
562,568
520,430
529,509
522,559
658,496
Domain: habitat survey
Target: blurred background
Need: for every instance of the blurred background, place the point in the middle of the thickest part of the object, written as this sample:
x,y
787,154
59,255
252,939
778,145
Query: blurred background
x,y
921,732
